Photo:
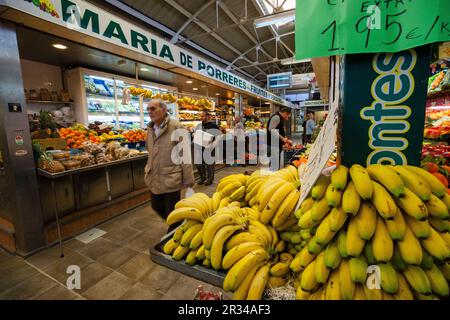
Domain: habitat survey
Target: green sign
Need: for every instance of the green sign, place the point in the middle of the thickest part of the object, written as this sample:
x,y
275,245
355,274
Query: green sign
x,y
383,98
333,27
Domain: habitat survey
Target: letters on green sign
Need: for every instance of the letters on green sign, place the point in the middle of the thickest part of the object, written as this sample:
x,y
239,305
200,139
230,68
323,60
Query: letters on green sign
x,y
393,86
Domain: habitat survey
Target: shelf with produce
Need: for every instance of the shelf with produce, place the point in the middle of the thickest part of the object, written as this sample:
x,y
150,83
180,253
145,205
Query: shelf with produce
x,y
50,102
194,111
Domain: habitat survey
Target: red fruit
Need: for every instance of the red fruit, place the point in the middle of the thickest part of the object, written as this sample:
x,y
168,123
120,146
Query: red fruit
x,y
431,167
441,178
448,190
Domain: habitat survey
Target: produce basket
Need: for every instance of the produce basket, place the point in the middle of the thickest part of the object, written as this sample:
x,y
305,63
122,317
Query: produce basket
x,y
51,143
198,272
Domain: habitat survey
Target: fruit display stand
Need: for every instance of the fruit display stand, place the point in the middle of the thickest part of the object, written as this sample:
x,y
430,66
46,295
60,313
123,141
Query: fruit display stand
x,y
210,276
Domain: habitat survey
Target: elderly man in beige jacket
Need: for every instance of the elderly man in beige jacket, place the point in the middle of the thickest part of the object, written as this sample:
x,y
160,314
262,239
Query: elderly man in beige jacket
x,y
164,177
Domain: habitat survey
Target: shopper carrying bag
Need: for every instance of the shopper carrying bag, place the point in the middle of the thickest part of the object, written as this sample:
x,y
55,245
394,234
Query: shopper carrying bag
x,y
164,178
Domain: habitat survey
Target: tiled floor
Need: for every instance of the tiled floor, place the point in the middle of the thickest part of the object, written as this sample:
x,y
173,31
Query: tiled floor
x,y
114,266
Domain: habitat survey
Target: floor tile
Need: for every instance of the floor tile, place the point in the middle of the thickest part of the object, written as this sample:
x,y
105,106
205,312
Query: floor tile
x,y
91,274
138,267
185,288
13,271
160,279
120,235
117,258
147,225
143,242
141,292
29,288
57,293
112,287
58,270
98,248
48,256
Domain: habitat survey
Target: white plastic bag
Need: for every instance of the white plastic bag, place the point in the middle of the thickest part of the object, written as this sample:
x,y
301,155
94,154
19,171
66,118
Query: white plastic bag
x,y
189,192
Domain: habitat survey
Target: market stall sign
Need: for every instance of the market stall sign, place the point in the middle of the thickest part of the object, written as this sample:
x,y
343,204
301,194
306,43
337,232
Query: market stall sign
x,y
83,17
358,26
384,121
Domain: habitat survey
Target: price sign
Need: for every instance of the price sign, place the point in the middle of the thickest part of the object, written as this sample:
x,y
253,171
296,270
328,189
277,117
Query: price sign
x,y
335,27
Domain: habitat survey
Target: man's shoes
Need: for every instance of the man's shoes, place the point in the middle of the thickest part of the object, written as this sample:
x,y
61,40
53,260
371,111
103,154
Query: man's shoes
x,y
208,183
202,181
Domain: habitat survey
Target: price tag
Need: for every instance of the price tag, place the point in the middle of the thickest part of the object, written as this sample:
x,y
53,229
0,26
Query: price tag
x,y
358,26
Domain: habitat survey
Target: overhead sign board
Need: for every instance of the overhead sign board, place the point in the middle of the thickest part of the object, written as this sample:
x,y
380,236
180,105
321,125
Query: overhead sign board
x,y
279,81
82,16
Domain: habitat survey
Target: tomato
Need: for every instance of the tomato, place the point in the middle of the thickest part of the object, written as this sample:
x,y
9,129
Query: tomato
x,y
431,167
441,178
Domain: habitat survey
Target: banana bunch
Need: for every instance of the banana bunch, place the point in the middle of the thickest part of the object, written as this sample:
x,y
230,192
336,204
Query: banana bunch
x,y
141,92
233,188
374,233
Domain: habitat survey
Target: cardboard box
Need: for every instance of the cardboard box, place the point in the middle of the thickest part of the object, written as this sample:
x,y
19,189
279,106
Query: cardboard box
x,y
52,143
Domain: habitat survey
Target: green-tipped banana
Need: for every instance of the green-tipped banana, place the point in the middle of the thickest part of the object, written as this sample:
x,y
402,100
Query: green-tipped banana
x,y
358,269
439,284
366,220
342,243
383,201
437,188
362,181
421,229
320,188
382,244
417,279
437,208
322,272
339,177
320,210
397,226
389,279
354,244
337,219
412,205
351,200
388,178
332,257
436,246
333,196
410,248
413,182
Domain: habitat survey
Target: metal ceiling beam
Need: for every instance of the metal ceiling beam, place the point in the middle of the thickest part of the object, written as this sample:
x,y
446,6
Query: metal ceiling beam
x,y
208,29
151,22
191,19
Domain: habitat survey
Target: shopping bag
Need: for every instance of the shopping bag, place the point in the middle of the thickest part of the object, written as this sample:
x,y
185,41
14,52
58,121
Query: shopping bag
x,y
202,138
189,192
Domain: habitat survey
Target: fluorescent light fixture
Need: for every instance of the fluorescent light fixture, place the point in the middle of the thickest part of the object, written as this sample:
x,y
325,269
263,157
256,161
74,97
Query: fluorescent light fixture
x,y
189,81
195,89
278,18
59,46
289,61
217,94
145,69
203,86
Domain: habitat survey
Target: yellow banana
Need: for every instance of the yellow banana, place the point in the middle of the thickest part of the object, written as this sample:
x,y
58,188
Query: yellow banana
x,y
436,246
275,237
196,241
359,293
230,188
191,203
200,255
354,244
301,294
319,210
382,244
346,284
217,196
275,201
253,192
302,260
440,225
308,281
286,208
240,269
313,246
366,220
306,221
180,252
417,279
404,291
238,194
280,247
339,177
438,282
282,267
223,203
259,283
410,248
427,261
177,235
337,219
265,232
218,242
446,200
333,196
351,199
383,201
181,214
332,257
189,234
397,226
216,222
437,188
388,178
170,246
206,263
238,252
276,282
437,208
321,270
397,260
445,269
413,182
266,193
341,242
333,290
207,201
412,205
307,204
324,234
241,238
191,258
421,229
388,277
319,189
361,181
358,269
242,291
